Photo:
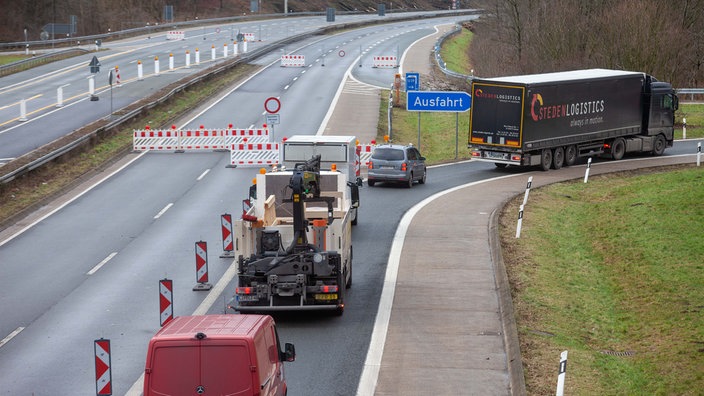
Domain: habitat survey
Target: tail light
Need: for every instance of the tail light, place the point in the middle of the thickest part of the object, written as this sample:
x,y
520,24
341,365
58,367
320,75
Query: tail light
x,y
370,165
476,154
516,158
328,288
404,166
243,290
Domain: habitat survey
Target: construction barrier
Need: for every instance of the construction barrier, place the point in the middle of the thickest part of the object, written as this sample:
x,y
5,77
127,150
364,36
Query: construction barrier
x,y
293,60
166,301
385,61
103,371
365,153
249,36
175,35
202,267
227,240
195,140
254,154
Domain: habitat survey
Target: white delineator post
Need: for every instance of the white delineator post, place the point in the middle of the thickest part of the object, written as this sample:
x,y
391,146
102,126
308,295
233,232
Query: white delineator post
x,y
699,153
197,57
684,128
171,62
234,48
156,65
561,374
520,222
188,59
525,197
23,110
224,50
586,172
140,71
212,52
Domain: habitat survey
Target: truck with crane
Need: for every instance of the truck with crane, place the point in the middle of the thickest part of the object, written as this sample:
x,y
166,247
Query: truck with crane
x,y
552,119
294,240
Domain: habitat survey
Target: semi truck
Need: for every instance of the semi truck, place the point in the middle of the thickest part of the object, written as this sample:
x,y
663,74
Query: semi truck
x,y
552,119
294,240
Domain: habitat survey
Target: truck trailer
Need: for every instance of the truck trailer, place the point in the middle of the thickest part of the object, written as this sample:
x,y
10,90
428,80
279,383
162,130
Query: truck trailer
x,y
551,119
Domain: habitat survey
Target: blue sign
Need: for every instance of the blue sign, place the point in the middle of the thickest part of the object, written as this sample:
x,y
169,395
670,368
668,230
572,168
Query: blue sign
x,y
447,101
412,81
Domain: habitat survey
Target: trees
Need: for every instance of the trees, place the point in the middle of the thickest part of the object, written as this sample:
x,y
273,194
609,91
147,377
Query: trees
x,y
660,37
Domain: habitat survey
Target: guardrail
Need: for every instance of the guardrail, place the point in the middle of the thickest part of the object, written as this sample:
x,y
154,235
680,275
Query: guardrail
x,y
438,58
41,59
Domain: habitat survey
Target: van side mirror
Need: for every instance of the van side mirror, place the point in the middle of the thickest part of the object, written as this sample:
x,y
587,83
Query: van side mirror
x,y
289,352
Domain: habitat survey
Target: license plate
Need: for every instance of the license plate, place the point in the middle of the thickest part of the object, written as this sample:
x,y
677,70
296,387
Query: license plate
x,y
386,167
247,298
493,155
330,296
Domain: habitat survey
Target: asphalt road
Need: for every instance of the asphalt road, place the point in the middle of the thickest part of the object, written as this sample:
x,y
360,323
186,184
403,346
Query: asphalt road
x,y
91,270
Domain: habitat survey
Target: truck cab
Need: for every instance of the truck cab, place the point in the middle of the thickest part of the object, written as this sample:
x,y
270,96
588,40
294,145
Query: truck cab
x,y
217,355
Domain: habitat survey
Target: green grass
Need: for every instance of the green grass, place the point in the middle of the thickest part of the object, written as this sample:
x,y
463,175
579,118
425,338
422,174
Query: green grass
x,y
454,52
612,265
694,114
5,59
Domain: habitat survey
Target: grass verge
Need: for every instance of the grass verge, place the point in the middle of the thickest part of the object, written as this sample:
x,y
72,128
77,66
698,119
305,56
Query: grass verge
x,y
694,114
612,272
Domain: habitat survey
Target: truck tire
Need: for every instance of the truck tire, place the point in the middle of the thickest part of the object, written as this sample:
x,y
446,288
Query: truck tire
x,y
356,215
618,149
546,159
659,145
570,155
558,157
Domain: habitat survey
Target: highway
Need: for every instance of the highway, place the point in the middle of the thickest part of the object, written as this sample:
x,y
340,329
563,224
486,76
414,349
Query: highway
x,y
47,117
91,269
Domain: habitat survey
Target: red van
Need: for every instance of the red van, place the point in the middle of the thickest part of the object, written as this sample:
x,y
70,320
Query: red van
x,y
217,355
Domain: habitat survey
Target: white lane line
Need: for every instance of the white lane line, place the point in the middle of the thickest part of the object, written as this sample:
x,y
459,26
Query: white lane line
x,y
167,207
11,336
286,87
102,263
202,175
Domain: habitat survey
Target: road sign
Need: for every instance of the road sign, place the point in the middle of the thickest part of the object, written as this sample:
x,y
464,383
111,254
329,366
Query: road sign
x,y
273,119
103,371
447,101
272,105
412,81
94,65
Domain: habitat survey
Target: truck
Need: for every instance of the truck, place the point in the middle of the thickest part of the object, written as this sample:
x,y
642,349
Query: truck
x,y
552,119
217,355
294,241
341,151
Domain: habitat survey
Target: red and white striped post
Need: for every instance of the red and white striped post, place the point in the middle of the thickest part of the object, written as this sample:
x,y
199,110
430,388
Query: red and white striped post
x,y
103,372
202,267
166,301
227,240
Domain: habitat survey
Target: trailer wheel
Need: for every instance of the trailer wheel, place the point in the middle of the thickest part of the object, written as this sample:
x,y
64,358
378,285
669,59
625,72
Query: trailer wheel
x,y
659,145
618,149
546,159
570,155
558,157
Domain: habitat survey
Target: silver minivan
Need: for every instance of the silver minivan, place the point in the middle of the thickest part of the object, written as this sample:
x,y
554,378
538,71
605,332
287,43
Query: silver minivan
x,y
396,163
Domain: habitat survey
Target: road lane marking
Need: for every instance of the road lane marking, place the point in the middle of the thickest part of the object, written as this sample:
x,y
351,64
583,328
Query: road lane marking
x,y
202,175
11,336
102,263
167,207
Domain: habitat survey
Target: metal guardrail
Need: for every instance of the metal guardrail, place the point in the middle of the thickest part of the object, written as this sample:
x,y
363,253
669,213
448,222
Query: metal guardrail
x,y
41,59
438,58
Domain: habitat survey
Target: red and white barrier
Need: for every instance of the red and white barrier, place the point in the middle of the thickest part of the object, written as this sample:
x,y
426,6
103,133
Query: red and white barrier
x,y
227,240
117,76
175,35
195,140
103,364
166,301
202,267
249,36
385,61
365,153
254,154
293,60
